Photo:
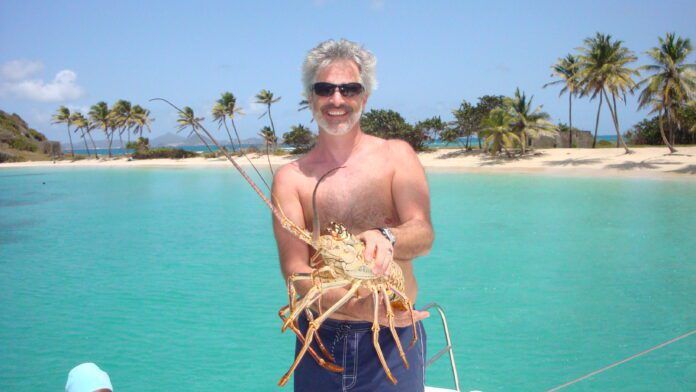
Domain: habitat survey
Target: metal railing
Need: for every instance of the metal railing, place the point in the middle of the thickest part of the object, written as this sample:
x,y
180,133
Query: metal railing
x,y
447,348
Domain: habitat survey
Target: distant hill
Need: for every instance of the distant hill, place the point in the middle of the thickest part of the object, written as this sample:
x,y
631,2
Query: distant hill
x,y
19,143
168,140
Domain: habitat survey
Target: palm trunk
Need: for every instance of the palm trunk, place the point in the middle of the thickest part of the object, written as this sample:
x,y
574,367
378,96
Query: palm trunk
x,y
123,149
206,144
570,120
72,149
467,140
596,127
228,134
615,118
275,137
84,139
110,136
268,156
478,137
89,133
234,128
523,140
662,132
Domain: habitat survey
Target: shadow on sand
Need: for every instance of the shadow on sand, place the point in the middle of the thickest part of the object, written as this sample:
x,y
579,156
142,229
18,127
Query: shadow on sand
x,y
459,153
500,159
574,162
689,169
639,165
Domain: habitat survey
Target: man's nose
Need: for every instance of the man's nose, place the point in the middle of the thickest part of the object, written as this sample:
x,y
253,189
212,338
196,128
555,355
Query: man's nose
x,y
336,98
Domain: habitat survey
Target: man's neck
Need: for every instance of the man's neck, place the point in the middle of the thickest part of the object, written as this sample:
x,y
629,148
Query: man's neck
x,y
338,148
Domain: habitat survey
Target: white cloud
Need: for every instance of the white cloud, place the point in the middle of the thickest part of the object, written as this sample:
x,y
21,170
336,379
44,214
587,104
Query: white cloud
x,y
63,87
20,69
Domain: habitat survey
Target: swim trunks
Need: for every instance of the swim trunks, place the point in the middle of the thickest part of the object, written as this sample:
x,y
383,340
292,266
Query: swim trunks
x,y
350,343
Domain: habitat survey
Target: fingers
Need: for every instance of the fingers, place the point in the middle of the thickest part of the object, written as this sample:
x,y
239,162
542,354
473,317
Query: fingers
x,y
402,318
378,250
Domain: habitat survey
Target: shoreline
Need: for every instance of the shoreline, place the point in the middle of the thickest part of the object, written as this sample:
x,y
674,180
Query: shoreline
x,y
645,162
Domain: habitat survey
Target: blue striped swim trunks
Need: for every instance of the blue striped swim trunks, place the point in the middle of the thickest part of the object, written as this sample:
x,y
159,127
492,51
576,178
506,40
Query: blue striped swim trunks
x,y
350,343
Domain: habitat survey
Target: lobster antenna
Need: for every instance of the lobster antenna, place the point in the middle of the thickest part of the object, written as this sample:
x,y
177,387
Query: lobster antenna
x,y
220,147
278,214
315,216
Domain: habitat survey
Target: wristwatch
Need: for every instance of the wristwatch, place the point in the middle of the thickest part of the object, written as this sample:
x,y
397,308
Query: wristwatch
x,y
388,234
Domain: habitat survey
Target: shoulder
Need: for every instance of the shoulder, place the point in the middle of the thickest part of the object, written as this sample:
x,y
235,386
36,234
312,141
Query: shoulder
x,y
287,177
400,152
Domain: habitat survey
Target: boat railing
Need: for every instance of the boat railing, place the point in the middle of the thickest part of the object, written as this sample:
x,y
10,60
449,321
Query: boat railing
x,y
445,350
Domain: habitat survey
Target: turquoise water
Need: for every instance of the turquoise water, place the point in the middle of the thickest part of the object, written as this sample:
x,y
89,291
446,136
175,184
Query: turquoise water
x,y
168,279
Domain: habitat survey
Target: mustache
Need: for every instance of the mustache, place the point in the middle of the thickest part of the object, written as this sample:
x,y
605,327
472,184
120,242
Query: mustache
x,y
347,108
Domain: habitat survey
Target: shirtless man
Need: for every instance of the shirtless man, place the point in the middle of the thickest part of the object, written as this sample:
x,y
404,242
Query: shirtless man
x,y
381,185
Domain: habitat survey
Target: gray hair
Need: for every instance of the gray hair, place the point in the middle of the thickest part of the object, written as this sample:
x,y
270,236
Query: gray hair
x,y
328,51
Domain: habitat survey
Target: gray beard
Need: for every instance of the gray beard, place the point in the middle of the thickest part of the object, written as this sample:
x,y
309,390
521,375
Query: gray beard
x,y
340,129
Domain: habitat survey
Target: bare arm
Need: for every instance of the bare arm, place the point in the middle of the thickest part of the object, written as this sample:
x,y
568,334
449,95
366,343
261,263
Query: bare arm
x,y
412,200
414,236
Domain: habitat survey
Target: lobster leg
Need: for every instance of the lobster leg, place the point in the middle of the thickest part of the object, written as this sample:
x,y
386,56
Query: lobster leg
x,y
312,295
323,349
409,306
329,365
375,336
390,317
313,327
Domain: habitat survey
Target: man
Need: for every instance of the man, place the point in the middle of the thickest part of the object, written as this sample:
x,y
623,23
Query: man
x,y
381,195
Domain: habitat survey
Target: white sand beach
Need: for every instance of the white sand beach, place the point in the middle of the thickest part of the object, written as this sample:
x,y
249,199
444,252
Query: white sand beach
x,y
655,162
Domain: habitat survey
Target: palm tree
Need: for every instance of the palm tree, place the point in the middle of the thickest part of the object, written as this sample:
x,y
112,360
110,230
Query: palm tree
x,y
567,70
81,124
603,67
229,104
188,119
266,97
527,123
497,131
270,139
672,83
99,114
62,116
220,116
141,120
122,114
87,127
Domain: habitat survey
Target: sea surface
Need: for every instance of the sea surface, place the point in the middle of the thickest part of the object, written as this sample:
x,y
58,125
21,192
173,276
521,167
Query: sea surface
x,y
168,279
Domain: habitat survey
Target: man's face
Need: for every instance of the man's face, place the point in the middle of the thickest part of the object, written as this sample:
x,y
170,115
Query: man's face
x,y
336,114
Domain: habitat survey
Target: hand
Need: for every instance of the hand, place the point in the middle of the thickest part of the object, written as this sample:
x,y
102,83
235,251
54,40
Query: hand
x,y
364,309
402,318
378,249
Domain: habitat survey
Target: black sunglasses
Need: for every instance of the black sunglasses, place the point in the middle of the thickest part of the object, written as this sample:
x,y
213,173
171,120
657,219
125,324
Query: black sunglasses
x,y
324,89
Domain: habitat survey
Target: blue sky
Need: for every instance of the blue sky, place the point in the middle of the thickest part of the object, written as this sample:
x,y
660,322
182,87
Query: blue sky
x,y
431,55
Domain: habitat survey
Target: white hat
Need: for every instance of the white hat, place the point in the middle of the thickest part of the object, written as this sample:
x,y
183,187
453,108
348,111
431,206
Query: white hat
x,y
87,377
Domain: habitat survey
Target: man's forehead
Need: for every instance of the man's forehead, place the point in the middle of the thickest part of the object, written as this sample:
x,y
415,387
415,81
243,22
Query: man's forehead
x,y
339,71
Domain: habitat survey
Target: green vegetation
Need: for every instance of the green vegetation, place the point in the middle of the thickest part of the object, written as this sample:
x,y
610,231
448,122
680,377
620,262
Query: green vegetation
x,y
62,116
300,138
567,70
224,108
18,142
173,153
668,89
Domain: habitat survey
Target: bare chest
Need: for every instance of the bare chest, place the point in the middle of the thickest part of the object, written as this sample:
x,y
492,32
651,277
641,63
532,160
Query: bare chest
x,y
360,198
